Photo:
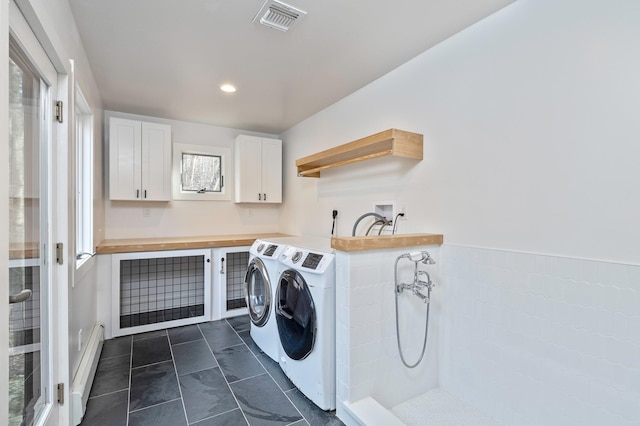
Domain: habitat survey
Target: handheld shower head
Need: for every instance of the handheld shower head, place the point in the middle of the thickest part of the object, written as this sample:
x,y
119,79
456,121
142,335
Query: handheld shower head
x,y
416,256
420,256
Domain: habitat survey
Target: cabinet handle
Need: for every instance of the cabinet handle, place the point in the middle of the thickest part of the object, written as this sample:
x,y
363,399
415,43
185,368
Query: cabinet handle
x,y
145,193
222,265
137,193
259,196
265,197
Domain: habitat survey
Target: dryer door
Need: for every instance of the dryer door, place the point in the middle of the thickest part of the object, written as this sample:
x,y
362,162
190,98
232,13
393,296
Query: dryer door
x,y
295,315
258,288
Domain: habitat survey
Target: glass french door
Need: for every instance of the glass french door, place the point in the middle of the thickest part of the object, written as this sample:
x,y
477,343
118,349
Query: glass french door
x,y
31,84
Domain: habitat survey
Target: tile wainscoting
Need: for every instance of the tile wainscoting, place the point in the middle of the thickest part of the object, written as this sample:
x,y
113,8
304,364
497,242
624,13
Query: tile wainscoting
x,y
537,339
367,360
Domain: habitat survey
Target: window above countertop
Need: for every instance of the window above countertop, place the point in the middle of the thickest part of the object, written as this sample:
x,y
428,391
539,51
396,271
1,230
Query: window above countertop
x,y
200,172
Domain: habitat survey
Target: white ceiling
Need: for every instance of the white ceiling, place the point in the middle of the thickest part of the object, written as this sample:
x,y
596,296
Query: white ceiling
x,y
167,58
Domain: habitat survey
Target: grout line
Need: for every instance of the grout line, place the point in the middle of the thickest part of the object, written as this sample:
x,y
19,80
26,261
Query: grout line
x,y
217,415
247,378
130,371
225,378
108,393
184,343
155,405
199,371
175,370
153,363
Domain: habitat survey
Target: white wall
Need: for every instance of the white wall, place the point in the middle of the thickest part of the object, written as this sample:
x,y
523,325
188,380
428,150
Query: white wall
x,y
124,219
531,134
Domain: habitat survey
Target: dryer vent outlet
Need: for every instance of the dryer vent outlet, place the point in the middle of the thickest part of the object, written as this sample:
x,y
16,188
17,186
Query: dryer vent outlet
x,y
278,15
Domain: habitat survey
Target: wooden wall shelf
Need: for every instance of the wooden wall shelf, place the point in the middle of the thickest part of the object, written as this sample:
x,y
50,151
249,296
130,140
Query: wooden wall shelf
x,y
394,142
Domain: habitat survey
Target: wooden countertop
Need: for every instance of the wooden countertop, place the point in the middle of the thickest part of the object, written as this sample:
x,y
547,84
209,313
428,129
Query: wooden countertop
x,y
385,241
179,243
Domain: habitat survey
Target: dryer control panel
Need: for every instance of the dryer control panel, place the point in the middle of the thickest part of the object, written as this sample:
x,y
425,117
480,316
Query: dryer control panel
x,y
266,249
305,260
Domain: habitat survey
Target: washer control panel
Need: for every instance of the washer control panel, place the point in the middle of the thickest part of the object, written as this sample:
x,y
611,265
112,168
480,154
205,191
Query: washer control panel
x,y
312,260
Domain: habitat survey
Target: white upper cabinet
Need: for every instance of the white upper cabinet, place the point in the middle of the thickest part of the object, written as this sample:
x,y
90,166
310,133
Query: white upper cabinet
x,y
139,160
258,170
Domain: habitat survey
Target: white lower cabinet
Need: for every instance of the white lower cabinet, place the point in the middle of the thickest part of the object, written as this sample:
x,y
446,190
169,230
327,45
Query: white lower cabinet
x,y
258,170
160,289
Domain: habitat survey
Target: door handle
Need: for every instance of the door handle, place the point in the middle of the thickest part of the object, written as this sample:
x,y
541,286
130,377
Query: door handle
x,y
20,297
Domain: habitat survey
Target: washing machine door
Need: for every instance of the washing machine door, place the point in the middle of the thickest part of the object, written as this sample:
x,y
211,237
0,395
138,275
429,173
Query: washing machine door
x,y
295,315
258,292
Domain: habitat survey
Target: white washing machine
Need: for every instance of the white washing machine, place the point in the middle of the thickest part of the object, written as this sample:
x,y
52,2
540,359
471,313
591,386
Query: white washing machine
x,y
260,286
306,317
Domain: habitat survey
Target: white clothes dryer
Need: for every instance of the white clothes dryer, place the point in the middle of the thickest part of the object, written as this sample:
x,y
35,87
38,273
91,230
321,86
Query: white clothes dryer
x,y
305,315
260,285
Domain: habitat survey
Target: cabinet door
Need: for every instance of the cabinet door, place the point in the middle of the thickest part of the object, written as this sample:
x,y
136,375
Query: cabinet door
x,y
272,170
156,162
248,170
124,159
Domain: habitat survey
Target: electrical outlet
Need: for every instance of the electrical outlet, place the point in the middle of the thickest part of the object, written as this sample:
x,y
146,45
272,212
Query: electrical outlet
x,y
249,212
403,210
146,212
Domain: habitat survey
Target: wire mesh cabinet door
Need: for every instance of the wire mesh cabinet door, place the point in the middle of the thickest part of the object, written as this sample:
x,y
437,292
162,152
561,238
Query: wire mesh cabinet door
x,y
229,294
161,289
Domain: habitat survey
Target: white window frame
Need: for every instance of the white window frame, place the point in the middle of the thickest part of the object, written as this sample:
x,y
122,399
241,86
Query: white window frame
x,y
84,179
176,176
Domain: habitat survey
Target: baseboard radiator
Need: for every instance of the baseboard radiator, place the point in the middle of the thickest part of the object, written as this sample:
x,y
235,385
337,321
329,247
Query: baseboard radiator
x,y
83,379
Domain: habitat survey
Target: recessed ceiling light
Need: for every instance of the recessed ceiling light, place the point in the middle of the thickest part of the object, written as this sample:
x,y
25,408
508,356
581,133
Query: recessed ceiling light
x,y
229,88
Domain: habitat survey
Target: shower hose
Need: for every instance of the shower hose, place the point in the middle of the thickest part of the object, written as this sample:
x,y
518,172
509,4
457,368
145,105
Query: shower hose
x,y
426,324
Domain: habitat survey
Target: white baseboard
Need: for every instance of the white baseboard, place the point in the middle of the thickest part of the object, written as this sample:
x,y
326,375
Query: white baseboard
x,y
82,381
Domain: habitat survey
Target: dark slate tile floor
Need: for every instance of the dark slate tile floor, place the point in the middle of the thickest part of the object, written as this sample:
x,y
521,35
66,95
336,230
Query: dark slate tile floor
x,y
210,374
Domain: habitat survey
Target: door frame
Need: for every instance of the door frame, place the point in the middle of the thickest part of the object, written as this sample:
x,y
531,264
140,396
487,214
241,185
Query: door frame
x,y
60,218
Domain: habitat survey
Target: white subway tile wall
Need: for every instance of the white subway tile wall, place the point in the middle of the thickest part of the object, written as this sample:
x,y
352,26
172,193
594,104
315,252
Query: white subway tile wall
x,y
367,359
534,339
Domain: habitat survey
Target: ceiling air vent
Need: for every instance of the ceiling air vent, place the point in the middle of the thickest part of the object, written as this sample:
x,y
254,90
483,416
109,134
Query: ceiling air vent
x,y
278,15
